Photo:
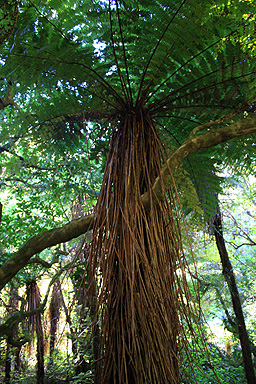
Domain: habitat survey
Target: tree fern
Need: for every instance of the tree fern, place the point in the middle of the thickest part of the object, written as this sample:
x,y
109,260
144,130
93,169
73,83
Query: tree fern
x,y
175,71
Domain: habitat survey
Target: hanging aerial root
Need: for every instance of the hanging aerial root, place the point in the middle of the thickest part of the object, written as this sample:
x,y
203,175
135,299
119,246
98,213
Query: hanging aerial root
x,y
136,258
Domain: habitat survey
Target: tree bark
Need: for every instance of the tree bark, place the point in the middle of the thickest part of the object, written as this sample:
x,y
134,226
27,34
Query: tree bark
x,y
229,276
40,349
80,226
11,350
54,311
7,378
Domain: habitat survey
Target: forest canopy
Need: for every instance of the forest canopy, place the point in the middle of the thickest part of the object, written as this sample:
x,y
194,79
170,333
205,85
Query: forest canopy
x,y
122,125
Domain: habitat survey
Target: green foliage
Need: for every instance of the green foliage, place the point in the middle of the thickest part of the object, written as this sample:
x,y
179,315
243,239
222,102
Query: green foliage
x,y
83,378
70,62
220,368
238,211
8,18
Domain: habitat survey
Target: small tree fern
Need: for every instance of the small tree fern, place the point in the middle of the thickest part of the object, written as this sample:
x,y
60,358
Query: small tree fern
x,y
35,326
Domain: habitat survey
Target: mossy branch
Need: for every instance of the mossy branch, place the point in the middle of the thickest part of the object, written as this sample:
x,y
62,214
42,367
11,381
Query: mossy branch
x,y
42,241
207,139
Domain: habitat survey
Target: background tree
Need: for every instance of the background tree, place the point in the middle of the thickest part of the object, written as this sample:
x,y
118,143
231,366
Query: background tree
x,y
54,316
231,282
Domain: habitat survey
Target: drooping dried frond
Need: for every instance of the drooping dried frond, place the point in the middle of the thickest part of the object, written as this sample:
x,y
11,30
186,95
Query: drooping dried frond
x,y
35,325
143,296
33,302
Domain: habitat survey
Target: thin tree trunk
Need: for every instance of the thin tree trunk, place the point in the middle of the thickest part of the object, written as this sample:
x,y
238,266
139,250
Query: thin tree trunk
x,y
233,328
13,304
69,321
7,378
228,273
17,361
40,350
54,317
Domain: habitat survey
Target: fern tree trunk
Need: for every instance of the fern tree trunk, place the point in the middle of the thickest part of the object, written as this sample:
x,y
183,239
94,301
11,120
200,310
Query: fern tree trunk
x,y
137,253
236,302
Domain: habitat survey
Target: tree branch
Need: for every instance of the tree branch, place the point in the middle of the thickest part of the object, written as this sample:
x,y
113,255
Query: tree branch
x,y
80,226
42,241
210,124
205,140
37,260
